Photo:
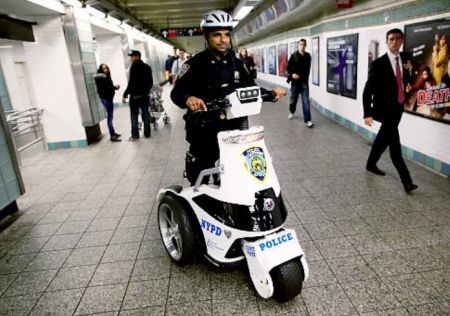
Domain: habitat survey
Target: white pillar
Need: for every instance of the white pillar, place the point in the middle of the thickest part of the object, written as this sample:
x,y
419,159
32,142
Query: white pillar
x,y
53,82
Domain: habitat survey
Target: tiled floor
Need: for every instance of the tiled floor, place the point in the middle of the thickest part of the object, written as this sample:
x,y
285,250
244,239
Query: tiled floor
x,y
86,240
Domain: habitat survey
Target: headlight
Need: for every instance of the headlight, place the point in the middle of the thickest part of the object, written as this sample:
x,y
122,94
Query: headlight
x,y
248,94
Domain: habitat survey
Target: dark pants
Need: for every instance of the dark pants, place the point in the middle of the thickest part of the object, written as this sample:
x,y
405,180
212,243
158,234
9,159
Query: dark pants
x,y
296,90
198,158
388,135
109,107
140,104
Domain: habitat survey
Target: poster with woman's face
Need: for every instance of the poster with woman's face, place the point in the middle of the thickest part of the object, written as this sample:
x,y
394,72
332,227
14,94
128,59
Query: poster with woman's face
x,y
315,61
429,68
272,60
282,59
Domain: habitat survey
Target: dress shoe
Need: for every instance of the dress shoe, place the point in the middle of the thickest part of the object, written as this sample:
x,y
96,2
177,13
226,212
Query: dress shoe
x,y
374,169
115,138
410,187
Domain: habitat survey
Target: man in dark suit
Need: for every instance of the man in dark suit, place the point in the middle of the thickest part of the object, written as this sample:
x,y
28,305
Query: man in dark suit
x,y
386,88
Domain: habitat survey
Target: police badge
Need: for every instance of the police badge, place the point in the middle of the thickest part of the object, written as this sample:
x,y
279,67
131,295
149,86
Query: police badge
x,y
255,161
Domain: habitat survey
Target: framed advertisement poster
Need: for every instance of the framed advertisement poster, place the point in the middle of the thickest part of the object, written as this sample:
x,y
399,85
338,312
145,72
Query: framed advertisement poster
x,y
342,62
293,47
372,53
428,44
315,61
272,60
262,60
282,59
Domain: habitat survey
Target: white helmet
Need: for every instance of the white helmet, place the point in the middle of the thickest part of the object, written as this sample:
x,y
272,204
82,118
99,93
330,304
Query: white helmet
x,y
216,19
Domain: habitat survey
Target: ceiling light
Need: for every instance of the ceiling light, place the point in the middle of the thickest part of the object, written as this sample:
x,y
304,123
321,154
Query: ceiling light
x,y
242,13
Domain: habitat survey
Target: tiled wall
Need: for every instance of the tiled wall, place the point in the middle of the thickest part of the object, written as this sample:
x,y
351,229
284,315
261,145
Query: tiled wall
x,y
9,185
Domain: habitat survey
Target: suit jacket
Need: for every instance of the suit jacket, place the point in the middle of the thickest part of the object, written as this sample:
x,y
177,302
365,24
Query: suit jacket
x,y
380,91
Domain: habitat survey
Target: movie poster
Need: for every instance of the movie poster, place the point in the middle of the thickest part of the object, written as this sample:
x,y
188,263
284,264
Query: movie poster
x,y
342,61
372,53
282,59
315,61
256,59
262,61
430,89
293,47
272,60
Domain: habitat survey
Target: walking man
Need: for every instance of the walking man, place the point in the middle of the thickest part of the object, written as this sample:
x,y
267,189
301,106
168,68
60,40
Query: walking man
x,y
299,66
387,88
139,85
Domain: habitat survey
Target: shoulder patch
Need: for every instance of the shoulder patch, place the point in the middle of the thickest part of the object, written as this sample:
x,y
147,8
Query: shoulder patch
x,y
184,69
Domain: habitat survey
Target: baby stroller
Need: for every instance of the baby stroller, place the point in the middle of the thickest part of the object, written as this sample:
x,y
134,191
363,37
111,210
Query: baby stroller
x,y
156,107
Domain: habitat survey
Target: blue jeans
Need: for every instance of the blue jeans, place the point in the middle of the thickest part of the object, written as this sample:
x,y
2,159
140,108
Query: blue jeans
x,y
109,107
140,103
303,89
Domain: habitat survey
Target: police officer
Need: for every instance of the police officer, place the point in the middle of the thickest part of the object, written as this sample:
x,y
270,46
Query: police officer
x,y
211,74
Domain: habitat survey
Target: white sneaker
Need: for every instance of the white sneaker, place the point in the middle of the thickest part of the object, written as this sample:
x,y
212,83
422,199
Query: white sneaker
x,y
290,116
309,124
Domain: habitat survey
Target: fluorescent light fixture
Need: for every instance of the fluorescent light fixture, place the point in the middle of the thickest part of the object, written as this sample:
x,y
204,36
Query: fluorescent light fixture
x,y
242,13
97,13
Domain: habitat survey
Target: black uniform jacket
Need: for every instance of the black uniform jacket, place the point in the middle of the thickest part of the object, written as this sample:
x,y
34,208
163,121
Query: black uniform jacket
x,y
205,77
381,90
141,79
105,87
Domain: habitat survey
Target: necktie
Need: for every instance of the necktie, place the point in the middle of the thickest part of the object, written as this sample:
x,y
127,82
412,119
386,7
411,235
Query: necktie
x,y
398,76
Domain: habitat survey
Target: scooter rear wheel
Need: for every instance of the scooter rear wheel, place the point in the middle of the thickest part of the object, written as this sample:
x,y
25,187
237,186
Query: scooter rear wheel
x,y
176,230
287,280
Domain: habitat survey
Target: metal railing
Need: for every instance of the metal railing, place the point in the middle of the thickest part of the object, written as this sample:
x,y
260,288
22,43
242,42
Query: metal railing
x,y
26,128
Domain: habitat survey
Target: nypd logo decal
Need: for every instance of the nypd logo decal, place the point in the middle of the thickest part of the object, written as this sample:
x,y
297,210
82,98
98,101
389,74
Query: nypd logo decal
x,y
255,161
213,229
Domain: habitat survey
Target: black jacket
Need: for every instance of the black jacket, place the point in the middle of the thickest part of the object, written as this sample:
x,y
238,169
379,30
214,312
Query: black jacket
x,y
381,89
300,65
250,64
105,86
141,79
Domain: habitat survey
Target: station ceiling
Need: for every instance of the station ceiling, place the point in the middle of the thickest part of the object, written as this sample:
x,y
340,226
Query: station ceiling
x,y
155,15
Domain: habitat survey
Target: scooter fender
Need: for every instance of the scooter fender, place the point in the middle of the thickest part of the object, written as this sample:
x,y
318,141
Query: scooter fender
x,y
266,253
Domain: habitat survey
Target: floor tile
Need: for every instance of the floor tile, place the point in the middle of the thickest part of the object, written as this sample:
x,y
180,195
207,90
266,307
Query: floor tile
x,y
58,303
370,295
85,256
30,283
146,294
100,299
72,278
111,273
327,300
412,289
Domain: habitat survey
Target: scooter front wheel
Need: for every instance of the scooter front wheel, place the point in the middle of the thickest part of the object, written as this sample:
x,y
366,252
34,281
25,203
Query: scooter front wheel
x,y
287,280
176,230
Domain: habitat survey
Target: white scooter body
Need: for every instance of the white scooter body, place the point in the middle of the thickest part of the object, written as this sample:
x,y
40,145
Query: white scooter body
x,y
245,168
